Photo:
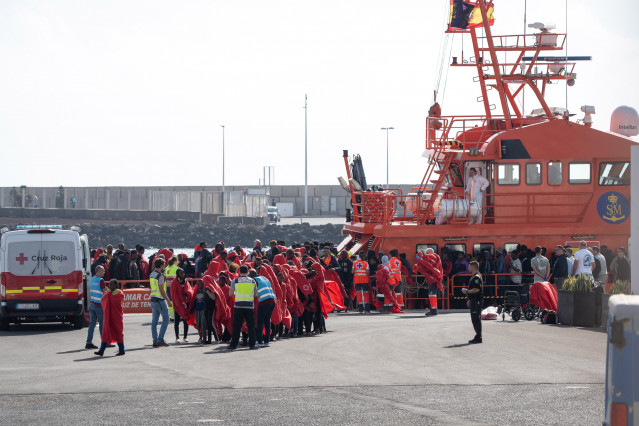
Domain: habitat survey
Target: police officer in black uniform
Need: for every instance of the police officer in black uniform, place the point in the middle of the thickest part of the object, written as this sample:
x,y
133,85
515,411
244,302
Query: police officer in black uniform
x,y
474,294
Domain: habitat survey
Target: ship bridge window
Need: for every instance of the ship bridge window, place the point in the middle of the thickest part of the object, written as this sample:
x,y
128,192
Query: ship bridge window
x,y
554,173
533,174
453,250
508,174
421,248
509,247
614,173
480,248
579,173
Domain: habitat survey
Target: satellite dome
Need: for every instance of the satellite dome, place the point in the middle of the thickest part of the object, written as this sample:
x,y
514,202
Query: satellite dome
x,y
625,121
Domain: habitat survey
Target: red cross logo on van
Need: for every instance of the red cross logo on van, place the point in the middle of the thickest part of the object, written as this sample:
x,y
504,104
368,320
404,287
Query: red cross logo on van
x,y
22,258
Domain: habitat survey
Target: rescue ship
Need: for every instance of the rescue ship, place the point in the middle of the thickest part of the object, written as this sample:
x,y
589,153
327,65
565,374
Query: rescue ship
x,y
551,180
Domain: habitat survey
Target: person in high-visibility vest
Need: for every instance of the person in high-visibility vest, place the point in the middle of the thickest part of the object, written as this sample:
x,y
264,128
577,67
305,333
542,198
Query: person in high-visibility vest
x,y
244,289
395,265
361,281
169,275
159,303
96,291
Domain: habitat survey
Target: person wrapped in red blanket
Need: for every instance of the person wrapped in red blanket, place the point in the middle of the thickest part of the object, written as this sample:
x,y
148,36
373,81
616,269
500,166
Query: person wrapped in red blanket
x,y
430,266
113,328
183,302
382,277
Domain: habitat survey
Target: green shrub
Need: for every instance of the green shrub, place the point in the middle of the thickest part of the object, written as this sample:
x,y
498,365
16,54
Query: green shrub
x,y
581,283
620,287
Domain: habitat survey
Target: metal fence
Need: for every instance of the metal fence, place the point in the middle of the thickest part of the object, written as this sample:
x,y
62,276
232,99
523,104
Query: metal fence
x,y
230,203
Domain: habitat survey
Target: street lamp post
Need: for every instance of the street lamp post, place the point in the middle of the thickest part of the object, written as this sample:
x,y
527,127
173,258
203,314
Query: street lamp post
x,y
223,186
305,155
387,129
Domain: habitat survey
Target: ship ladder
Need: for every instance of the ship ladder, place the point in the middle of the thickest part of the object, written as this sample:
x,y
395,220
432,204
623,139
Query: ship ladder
x,y
436,178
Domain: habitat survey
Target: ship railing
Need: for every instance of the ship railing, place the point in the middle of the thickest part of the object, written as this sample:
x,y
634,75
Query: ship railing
x,y
466,132
391,205
535,207
517,72
495,286
133,284
523,42
377,206
416,289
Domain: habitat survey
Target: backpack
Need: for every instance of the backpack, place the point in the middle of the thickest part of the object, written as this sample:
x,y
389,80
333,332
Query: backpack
x,y
549,317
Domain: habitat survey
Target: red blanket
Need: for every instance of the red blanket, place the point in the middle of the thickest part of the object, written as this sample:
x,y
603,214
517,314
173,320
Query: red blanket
x,y
167,254
544,295
113,328
222,309
430,266
331,274
183,299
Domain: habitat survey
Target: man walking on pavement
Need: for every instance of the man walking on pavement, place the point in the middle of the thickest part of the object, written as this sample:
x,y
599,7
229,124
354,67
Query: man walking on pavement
x,y
96,291
474,294
475,188
159,303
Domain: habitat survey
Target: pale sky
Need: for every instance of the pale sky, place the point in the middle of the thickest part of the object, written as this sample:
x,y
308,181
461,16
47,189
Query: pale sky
x,y
132,92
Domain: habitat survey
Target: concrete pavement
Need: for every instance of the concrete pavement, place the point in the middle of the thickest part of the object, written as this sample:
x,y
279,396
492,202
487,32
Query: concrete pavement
x,y
386,369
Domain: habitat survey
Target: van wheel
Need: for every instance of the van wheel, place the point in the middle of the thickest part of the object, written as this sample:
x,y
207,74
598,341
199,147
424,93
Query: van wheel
x,y
78,322
4,324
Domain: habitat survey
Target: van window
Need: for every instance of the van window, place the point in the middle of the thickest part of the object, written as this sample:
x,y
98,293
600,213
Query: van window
x,y
59,257
533,174
554,173
21,257
508,174
479,248
579,173
32,258
421,248
616,173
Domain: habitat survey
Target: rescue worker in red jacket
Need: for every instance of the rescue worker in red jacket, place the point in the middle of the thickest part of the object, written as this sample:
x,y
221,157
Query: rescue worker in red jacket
x,y
395,265
361,281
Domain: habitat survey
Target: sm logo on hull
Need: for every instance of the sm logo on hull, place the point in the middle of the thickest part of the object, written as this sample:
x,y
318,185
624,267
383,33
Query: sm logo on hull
x,y
613,208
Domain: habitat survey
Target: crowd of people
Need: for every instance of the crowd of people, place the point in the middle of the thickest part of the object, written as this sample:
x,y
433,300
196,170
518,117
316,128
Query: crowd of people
x,y
526,266
254,297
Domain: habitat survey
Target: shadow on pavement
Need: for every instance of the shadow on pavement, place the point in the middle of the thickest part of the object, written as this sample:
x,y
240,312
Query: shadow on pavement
x,y
457,345
74,351
33,329
93,358
411,316
143,348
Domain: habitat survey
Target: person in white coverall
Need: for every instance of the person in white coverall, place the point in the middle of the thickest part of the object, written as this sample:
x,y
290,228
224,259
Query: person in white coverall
x,y
475,188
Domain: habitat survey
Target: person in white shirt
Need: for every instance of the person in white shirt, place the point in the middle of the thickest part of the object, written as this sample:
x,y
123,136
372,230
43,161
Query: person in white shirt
x,y
515,267
583,261
475,188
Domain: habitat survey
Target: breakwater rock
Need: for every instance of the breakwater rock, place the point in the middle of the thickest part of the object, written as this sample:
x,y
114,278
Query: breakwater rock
x,y
190,234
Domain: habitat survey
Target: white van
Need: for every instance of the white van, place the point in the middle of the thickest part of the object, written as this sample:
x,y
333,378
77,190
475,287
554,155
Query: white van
x,y
43,275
